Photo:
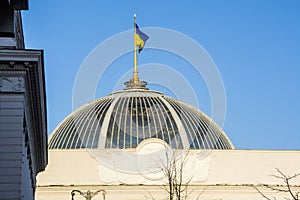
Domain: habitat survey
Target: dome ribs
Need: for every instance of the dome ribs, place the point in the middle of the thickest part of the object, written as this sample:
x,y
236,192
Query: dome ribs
x,y
124,119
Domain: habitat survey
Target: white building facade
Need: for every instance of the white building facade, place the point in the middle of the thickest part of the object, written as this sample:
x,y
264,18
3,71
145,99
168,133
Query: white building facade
x,y
121,144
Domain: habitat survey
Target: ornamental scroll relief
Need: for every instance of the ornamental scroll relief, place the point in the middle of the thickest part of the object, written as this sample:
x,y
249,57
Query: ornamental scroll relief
x,y
143,166
12,84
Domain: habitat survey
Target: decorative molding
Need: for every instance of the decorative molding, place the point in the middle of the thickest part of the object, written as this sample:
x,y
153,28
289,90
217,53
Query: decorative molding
x,y
23,71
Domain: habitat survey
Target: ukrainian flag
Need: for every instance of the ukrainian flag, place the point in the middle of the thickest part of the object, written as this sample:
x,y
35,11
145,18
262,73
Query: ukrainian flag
x,y
140,38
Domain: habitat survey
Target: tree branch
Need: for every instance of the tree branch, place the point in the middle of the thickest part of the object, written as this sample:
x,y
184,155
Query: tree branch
x,y
286,179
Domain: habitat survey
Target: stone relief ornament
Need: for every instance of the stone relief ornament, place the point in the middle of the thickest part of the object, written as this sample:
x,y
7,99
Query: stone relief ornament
x,y
144,165
12,84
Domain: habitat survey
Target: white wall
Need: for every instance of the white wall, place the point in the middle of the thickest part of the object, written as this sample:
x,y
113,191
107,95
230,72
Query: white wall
x,y
231,174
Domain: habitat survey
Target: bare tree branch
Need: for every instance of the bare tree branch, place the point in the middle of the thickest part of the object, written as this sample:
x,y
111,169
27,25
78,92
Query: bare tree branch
x,y
286,179
173,169
172,164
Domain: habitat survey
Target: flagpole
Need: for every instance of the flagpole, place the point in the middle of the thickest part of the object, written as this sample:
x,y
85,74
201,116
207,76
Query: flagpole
x,y
135,70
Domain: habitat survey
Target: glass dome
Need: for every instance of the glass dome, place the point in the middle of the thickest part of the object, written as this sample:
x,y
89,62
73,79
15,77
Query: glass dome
x,y
124,119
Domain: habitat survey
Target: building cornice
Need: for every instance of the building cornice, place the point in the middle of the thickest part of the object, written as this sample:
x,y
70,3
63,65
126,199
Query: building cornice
x,y
30,65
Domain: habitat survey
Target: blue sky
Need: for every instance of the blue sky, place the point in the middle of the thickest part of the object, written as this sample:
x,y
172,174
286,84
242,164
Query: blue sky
x,y
254,43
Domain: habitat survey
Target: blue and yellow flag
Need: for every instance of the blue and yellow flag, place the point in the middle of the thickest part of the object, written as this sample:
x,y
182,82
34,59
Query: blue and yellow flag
x,y
140,38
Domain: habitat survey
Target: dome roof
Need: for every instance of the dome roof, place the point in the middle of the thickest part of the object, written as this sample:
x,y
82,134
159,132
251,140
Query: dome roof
x,y
125,118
